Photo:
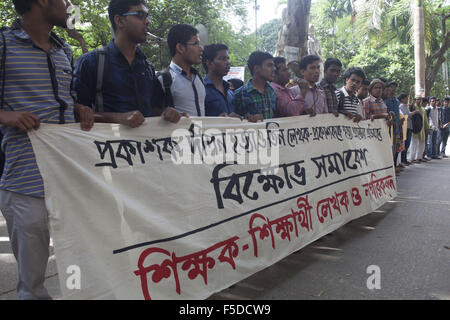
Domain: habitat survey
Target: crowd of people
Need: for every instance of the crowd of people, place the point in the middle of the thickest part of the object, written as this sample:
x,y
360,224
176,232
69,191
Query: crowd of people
x,y
116,84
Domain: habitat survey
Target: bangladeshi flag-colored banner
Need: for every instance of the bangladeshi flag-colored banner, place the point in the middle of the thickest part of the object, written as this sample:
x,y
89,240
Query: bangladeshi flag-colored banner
x,y
182,211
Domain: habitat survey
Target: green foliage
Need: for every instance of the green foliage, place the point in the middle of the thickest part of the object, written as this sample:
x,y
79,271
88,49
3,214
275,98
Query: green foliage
x,y
376,35
268,35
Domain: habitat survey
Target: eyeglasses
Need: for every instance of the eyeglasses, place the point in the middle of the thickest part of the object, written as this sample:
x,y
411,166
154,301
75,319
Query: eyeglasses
x,y
140,14
195,44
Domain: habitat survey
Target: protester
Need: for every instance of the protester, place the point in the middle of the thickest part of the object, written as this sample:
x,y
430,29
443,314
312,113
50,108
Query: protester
x,y
432,145
348,103
129,90
182,83
256,100
393,105
332,72
287,104
315,99
363,91
43,97
219,97
374,106
445,119
403,98
420,130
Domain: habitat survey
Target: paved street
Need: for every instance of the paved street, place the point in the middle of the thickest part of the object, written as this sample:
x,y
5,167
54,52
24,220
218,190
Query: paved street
x,y
408,239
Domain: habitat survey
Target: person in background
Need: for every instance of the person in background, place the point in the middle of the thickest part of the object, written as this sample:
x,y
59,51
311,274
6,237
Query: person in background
x,y
363,91
404,110
432,145
445,120
315,99
332,72
417,148
287,104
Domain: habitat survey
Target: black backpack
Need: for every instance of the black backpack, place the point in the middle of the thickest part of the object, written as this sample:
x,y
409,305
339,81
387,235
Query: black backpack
x,y
417,123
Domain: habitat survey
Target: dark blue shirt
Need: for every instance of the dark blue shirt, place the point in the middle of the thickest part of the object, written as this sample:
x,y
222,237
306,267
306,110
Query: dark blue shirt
x,y
394,105
215,102
445,116
125,87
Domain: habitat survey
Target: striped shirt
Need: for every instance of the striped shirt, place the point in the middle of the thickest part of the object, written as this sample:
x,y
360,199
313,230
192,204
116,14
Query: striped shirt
x,y
351,102
28,87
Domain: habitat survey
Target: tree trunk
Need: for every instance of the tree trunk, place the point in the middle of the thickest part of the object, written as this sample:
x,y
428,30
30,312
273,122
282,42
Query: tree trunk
x,y
419,45
435,61
295,29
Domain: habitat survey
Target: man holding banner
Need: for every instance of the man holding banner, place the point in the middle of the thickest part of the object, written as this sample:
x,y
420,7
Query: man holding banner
x,y
31,41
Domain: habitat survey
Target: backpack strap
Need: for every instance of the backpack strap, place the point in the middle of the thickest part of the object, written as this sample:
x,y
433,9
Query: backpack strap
x,y
101,55
167,83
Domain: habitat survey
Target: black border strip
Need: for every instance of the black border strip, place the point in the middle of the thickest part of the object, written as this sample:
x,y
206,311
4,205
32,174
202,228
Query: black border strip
x,y
144,244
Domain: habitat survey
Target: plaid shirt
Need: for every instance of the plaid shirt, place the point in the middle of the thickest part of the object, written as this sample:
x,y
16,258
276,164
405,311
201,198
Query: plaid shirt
x,y
248,100
330,93
374,106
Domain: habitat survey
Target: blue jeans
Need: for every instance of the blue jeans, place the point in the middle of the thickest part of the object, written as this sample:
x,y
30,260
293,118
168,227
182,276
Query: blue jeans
x,y
444,137
432,144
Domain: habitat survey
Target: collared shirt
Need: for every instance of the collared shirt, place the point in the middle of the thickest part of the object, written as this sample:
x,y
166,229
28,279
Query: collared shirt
x,y
287,105
315,99
393,105
330,93
28,87
373,106
351,102
125,87
216,103
248,100
188,94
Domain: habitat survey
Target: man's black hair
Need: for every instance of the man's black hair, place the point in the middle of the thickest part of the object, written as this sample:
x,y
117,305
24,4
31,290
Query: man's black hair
x,y
402,96
256,59
431,98
277,61
354,70
180,33
330,61
210,53
384,80
119,7
366,82
447,99
393,83
23,6
307,60
237,83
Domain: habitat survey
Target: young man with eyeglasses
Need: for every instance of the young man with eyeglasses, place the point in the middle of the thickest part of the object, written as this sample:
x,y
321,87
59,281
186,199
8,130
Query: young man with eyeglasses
x,y
129,89
181,81
36,76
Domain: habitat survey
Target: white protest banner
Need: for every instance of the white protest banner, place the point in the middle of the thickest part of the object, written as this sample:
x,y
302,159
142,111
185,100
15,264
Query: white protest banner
x,y
235,73
155,213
